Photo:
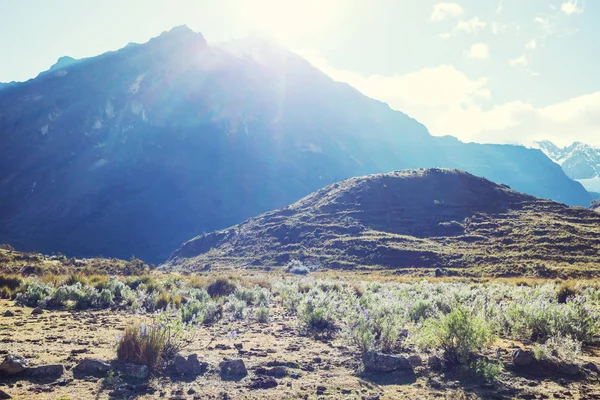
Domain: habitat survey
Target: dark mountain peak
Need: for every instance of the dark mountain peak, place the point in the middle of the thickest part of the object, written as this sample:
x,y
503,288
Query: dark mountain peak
x,y
415,219
63,62
180,36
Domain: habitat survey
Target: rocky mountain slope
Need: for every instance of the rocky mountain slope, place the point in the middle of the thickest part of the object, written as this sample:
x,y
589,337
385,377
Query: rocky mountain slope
x,y
410,220
137,150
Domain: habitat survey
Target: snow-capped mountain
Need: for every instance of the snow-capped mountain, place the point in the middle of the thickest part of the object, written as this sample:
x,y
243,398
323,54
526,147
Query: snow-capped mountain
x,y
580,161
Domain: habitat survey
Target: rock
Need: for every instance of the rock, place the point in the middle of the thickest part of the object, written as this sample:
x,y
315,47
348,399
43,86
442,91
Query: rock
x,y
590,366
275,372
47,371
4,395
190,366
379,362
134,371
415,360
522,358
13,364
234,367
92,367
37,311
570,369
263,382
435,363
9,313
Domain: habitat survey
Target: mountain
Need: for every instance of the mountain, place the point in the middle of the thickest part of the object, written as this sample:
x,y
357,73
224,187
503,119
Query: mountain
x,y
411,221
137,150
580,161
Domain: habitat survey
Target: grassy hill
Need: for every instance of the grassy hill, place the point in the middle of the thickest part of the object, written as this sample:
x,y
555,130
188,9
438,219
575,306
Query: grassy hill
x,y
414,222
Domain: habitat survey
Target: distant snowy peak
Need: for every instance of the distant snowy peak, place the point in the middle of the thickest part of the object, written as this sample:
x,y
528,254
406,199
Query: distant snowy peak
x,y
580,161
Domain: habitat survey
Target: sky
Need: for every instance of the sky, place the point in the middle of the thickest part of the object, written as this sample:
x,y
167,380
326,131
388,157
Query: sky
x,y
494,71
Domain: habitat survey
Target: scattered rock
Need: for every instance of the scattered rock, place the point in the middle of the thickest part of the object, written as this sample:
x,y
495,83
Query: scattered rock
x,y
13,364
590,366
522,358
570,369
234,367
415,360
92,367
435,363
190,366
9,313
134,371
4,395
37,311
263,382
47,371
275,372
379,362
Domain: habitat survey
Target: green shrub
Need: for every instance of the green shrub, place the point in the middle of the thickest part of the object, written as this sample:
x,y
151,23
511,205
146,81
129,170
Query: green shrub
x,y
459,334
485,369
263,314
317,314
237,307
221,287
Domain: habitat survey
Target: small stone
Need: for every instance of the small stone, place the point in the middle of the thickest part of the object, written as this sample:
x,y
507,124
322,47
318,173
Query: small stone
x,y
234,367
13,364
92,367
263,382
379,362
590,366
37,311
134,371
9,313
435,363
415,360
47,371
522,358
190,366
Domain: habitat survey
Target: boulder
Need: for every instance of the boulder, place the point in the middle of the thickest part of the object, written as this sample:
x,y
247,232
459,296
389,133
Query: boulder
x,y
13,364
415,360
47,371
235,367
4,395
590,366
522,358
9,313
92,367
37,311
379,362
190,366
134,371
275,372
570,369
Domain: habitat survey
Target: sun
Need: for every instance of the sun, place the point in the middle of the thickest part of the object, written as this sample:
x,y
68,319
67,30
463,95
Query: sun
x,y
287,19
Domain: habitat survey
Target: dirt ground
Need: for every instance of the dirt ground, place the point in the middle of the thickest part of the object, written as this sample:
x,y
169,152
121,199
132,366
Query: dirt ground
x,y
326,368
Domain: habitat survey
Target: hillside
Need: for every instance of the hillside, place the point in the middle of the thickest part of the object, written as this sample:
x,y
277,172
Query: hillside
x,y
134,151
411,221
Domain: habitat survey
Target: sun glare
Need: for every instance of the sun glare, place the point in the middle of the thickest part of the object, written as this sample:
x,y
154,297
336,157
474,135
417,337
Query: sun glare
x,y
286,18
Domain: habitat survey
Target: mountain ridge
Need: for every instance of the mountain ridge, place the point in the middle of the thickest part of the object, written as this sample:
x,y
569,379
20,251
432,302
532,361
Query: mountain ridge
x,y
408,221
176,137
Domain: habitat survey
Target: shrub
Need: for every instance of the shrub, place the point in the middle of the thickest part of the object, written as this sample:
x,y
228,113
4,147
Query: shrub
x,y
75,278
485,369
317,314
6,293
10,281
163,301
458,334
421,310
565,349
35,294
263,314
221,287
237,307
564,292
297,267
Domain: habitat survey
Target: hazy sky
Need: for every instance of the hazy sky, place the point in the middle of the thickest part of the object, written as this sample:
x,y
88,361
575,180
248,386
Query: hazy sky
x,y
508,71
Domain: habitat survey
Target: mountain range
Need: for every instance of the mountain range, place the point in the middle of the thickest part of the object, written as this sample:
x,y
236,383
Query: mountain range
x,y
135,151
409,221
580,161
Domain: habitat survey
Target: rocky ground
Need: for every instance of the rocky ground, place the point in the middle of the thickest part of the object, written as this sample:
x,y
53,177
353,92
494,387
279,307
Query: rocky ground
x,y
277,362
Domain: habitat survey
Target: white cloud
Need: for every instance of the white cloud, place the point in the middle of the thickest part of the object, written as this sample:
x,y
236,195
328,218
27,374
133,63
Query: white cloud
x,y
547,24
442,11
470,26
531,45
521,60
449,102
478,51
570,7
